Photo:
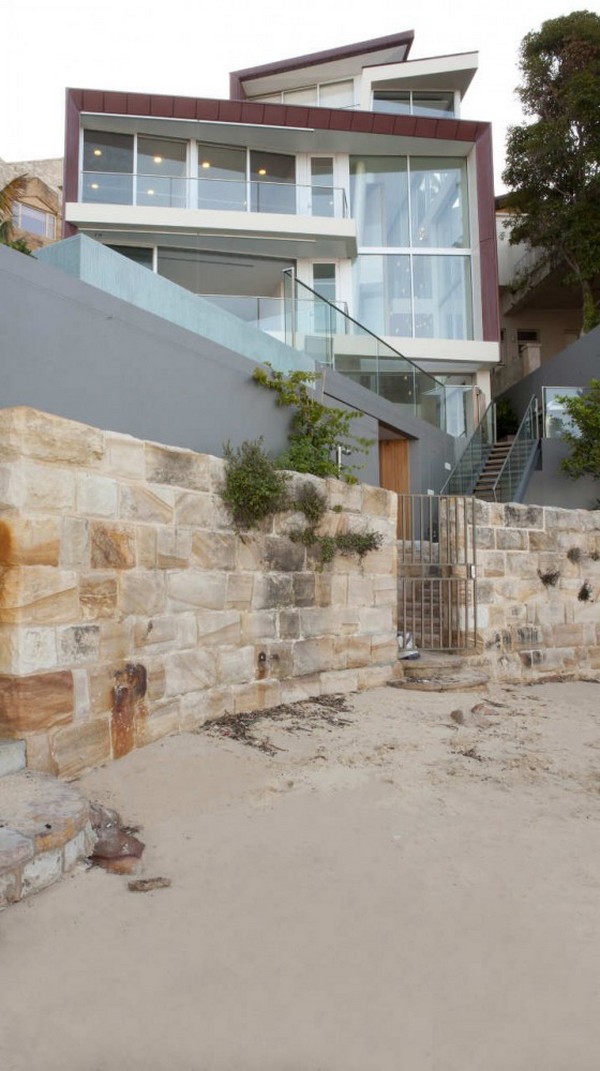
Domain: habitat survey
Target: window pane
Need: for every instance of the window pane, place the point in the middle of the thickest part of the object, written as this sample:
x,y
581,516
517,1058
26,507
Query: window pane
x,y
161,172
442,296
139,254
438,104
379,198
382,298
31,219
301,96
321,170
221,177
439,203
337,95
273,182
392,101
108,168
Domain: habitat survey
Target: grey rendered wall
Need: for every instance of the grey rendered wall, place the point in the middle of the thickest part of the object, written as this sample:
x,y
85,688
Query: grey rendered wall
x,y
69,348
549,486
573,367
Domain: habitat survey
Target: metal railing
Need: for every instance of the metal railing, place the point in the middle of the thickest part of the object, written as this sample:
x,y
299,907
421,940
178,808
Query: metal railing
x,y
512,479
466,472
215,194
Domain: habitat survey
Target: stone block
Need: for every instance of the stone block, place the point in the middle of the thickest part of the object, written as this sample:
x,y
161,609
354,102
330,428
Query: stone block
x,y
38,595
112,546
173,548
239,591
77,849
214,550
237,665
81,746
29,540
385,590
142,592
75,543
163,719
493,563
125,456
15,848
372,620
520,516
511,538
39,756
348,496
571,635
375,563
97,596
281,555
27,650
156,681
289,624
27,432
146,537
258,696
13,758
259,625
272,590
303,589
50,490
312,656
149,503
249,552
178,467
38,702
42,871
361,591
341,681
195,508
384,648
379,503
190,671
486,538
155,634
373,677
331,589
300,689
10,887
191,588
199,707
216,627
350,652
97,496
78,644
115,640
82,694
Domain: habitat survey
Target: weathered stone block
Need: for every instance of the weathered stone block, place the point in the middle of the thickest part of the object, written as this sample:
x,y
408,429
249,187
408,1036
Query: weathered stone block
x,y
173,548
77,849
486,538
162,720
145,546
97,596
29,540
373,676
27,432
312,656
217,627
239,591
289,624
350,652
115,640
303,588
47,489
214,550
300,688
272,590
27,650
189,589
379,503
181,468
361,591
517,516
38,595
112,546
82,694
331,589
237,665
249,552
10,887
342,680
196,708
75,543
30,704
385,590
281,555
41,872
572,635
150,504
493,563
156,634
15,849
349,496
258,696
511,538
142,592
190,671
384,648
12,757
125,456
79,644
372,620
195,508
96,495
259,625
39,756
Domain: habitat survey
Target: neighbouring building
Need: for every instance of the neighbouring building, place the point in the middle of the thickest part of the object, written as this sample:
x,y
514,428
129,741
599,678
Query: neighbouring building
x,y
37,212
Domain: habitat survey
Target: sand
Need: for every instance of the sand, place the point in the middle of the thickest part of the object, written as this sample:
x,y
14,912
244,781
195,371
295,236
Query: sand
x,y
403,892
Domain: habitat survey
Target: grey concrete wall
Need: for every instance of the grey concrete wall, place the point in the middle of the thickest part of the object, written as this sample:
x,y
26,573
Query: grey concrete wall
x,y
69,348
549,486
573,367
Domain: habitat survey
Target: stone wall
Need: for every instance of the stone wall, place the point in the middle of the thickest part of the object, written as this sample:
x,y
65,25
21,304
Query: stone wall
x,y
130,609
534,567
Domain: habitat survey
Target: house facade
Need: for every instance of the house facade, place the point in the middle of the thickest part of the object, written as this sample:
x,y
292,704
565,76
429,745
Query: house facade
x,y
347,175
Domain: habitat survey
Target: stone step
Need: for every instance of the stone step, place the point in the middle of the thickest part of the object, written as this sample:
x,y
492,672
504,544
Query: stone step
x,y
461,682
12,757
44,831
434,664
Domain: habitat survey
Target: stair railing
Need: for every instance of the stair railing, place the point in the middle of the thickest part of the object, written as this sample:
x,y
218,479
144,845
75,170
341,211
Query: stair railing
x,y
471,463
511,481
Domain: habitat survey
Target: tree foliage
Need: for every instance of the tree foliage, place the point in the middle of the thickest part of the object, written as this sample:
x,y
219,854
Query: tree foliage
x,y
584,411
553,161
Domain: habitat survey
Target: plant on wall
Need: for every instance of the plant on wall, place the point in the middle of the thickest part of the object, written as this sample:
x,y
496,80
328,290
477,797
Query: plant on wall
x,y
584,439
317,432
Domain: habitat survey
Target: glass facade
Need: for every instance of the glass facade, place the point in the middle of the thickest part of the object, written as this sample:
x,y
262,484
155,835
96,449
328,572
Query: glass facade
x,y
437,104
161,167
412,217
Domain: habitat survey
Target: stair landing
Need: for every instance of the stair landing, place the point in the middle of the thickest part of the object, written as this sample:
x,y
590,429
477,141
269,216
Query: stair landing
x,y
440,672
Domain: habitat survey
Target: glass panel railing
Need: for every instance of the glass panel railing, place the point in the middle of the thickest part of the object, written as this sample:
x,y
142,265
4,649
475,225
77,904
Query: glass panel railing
x,y
331,337
470,465
226,195
508,486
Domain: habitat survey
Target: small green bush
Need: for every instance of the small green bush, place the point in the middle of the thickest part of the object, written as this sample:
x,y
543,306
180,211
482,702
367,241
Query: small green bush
x,y
254,487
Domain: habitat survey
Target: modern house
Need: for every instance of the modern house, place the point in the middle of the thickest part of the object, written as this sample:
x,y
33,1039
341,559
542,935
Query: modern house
x,y
37,210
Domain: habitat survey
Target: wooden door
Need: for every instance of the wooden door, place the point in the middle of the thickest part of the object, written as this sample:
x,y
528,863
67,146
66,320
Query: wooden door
x,y
394,472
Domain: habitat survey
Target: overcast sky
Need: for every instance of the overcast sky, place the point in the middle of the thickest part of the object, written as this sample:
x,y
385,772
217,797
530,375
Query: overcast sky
x,y
183,48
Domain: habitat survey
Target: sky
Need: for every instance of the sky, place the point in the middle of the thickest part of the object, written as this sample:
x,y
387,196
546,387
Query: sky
x,y
187,49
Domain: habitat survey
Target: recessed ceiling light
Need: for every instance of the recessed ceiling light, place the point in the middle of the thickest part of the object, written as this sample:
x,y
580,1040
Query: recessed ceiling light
x,y
158,159
262,170
97,152
95,186
205,164
150,193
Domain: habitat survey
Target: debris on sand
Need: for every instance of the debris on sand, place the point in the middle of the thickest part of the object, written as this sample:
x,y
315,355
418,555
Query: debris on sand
x,y
116,848
148,884
293,718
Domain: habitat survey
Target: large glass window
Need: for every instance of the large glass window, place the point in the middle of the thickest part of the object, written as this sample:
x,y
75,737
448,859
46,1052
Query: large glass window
x,y
336,94
433,103
442,289
379,197
321,175
438,195
273,182
161,172
382,294
34,220
107,168
221,177
392,101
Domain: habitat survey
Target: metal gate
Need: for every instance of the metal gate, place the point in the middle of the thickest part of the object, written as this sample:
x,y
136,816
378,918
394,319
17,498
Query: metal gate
x,y
437,587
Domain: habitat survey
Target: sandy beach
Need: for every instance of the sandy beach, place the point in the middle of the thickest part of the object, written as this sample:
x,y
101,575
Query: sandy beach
x,y
397,881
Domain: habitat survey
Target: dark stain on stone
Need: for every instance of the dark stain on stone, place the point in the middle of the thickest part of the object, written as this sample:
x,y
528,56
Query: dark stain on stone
x,y
6,543
128,708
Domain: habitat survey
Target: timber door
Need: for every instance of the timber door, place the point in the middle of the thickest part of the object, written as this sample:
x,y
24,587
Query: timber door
x,y
394,472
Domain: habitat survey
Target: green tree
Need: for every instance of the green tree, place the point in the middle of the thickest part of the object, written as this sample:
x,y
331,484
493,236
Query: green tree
x,y
584,411
9,194
553,161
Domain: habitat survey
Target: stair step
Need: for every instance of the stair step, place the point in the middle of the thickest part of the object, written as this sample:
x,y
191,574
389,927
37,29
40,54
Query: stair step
x,y
12,757
463,682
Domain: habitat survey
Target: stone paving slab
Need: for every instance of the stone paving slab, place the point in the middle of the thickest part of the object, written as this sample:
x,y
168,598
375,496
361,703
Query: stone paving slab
x,y
12,757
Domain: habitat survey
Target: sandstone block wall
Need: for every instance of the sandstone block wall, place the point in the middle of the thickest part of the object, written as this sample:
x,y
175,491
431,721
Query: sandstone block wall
x,y
535,566
130,609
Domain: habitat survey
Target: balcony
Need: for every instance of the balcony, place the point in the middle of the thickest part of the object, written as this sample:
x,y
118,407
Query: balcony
x,y
274,218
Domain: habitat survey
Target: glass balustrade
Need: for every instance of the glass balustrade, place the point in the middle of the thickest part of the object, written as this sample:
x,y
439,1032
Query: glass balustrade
x,y
518,462
464,476
218,194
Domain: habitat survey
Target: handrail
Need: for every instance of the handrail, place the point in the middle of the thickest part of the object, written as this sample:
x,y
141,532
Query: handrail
x,y
509,483
466,472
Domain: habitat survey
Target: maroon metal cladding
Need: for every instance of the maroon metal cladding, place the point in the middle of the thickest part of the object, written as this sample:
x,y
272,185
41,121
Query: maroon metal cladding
x,y
487,235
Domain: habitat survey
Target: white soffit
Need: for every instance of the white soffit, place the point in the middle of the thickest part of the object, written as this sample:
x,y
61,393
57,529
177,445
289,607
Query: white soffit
x,y
440,72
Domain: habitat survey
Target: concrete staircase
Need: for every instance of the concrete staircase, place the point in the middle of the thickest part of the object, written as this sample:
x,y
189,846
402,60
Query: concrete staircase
x,y
487,478
440,672
44,826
